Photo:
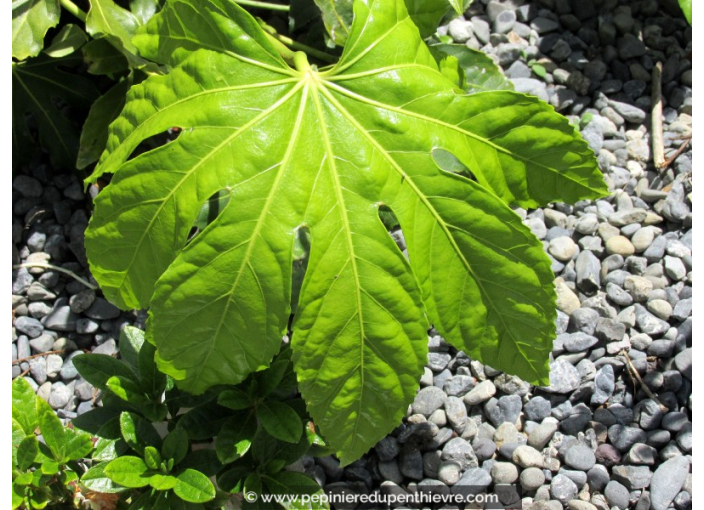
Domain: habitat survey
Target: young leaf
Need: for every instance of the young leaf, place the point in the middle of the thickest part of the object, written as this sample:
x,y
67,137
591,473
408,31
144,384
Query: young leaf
x,y
97,369
27,452
35,86
235,437
326,149
280,421
94,135
69,39
175,445
128,471
152,457
24,410
78,444
163,482
30,21
194,487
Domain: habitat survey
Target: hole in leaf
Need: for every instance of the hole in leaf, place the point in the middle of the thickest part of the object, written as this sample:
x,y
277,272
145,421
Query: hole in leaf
x,y
388,218
156,141
211,209
301,254
449,162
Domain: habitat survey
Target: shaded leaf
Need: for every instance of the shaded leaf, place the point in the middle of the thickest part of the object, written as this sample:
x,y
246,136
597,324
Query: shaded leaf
x,y
98,417
41,87
97,369
153,381
94,135
175,445
269,380
235,399
426,14
103,58
337,16
280,421
289,482
69,39
235,437
30,21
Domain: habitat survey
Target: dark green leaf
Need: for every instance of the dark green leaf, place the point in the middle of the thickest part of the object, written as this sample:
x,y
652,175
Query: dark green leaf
x,y
24,410
288,482
175,445
426,14
235,437
233,479
30,21
138,432
143,502
17,495
128,471
40,87
205,461
27,452
194,487
131,338
269,379
94,135
280,421
152,457
337,16
153,381
235,399
96,480
97,369
103,58
97,418
204,422
69,39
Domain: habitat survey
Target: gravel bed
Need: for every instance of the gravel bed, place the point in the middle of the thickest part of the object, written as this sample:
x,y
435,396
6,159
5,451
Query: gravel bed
x,y
595,438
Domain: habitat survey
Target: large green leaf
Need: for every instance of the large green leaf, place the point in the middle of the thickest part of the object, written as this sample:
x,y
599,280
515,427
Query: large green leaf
x,y
42,87
298,147
107,19
30,21
478,72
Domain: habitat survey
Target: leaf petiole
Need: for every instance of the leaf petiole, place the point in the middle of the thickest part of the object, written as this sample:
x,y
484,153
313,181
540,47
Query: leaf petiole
x,y
73,9
264,5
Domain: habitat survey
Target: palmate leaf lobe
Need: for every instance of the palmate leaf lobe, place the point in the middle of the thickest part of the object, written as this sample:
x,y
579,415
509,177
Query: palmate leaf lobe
x,y
325,149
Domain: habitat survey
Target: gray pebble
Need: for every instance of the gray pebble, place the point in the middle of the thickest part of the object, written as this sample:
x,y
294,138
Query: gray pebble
x,y
667,481
617,495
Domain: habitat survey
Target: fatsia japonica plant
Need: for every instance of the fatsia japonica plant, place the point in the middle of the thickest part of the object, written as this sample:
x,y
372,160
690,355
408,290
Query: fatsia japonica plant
x,y
311,152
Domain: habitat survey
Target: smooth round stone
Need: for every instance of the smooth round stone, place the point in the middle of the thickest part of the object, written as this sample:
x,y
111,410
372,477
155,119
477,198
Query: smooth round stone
x,y
580,457
638,287
484,448
537,409
480,393
541,435
29,326
504,472
428,400
450,472
587,224
562,248
527,456
617,495
620,245
642,239
532,478
563,489
660,308
54,362
667,481
59,396
598,477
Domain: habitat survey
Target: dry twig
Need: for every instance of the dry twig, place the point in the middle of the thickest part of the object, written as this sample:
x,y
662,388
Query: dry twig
x,y
635,376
